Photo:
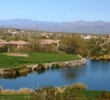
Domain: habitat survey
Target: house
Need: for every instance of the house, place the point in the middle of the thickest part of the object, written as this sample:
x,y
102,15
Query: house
x,y
49,41
2,42
87,37
17,44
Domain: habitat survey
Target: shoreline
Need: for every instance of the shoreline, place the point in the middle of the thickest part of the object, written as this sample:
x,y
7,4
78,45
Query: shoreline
x,y
25,69
103,57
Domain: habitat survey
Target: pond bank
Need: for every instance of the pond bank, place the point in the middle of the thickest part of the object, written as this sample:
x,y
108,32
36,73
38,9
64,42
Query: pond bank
x,y
103,57
25,69
76,86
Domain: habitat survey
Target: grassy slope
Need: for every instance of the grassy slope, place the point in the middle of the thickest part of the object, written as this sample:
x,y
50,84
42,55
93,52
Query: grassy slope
x,y
34,58
14,97
89,95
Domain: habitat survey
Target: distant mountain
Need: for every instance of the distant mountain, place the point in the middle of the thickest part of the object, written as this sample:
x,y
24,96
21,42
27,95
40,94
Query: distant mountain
x,y
77,27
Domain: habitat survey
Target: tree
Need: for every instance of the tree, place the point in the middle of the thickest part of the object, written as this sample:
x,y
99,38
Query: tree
x,y
97,50
73,44
34,45
4,49
98,46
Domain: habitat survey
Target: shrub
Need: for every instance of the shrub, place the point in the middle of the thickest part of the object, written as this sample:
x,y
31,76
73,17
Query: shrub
x,y
105,96
41,67
24,91
4,49
8,92
20,91
79,86
57,66
0,89
52,93
52,66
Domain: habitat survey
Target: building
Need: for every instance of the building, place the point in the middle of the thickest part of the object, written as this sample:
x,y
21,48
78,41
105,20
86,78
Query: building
x,y
49,41
17,44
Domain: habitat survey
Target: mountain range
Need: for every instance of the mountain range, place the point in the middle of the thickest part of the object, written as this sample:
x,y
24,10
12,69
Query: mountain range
x,y
96,27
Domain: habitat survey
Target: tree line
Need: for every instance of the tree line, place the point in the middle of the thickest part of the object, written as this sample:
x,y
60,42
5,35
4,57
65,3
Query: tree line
x,y
70,44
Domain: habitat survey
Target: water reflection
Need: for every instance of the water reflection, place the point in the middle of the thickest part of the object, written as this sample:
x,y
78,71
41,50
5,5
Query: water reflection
x,y
73,72
98,65
41,71
15,76
69,73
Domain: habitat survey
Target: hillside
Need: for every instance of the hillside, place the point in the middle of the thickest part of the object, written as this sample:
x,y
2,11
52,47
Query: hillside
x,y
78,26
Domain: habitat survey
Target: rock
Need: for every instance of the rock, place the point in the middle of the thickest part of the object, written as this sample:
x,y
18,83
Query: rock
x,y
45,66
23,71
7,72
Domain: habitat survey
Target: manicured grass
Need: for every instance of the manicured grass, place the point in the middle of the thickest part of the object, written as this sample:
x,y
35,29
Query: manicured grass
x,y
83,95
90,94
14,97
95,95
34,58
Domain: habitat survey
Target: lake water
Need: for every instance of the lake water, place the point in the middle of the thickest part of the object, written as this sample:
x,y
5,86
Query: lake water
x,y
95,74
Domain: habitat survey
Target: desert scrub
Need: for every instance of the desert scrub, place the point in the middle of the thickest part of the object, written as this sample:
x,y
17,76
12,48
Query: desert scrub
x,y
57,66
79,86
0,89
105,96
52,66
41,67
14,71
52,93
76,86
20,91
17,69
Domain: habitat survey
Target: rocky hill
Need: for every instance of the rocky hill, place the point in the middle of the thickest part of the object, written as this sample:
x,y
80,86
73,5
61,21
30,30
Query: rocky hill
x,y
96,27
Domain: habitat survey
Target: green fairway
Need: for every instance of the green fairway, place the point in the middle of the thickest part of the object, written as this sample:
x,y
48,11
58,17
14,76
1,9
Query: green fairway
x,y
80,95
90,94
14,97
34,58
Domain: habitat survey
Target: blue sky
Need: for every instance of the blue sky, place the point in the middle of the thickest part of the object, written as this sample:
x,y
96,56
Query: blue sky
x,y
55,10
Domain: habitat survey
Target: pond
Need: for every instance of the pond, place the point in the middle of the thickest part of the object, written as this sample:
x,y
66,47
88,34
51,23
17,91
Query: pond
x,y
95,74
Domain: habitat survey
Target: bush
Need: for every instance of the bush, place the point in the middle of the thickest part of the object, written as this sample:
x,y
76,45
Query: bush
x,y
57,66
52,66
25,91
79,86
4,49
76,86
52,93
41,67
0,89
105,96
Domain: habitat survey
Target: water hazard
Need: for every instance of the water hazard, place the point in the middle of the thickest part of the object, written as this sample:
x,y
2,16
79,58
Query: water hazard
x,y
95,74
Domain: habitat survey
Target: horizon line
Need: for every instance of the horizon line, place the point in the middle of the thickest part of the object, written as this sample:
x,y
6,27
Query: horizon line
x,y
52,21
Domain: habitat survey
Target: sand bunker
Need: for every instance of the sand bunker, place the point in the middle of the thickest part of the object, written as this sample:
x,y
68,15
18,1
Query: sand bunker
x,y
18,55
